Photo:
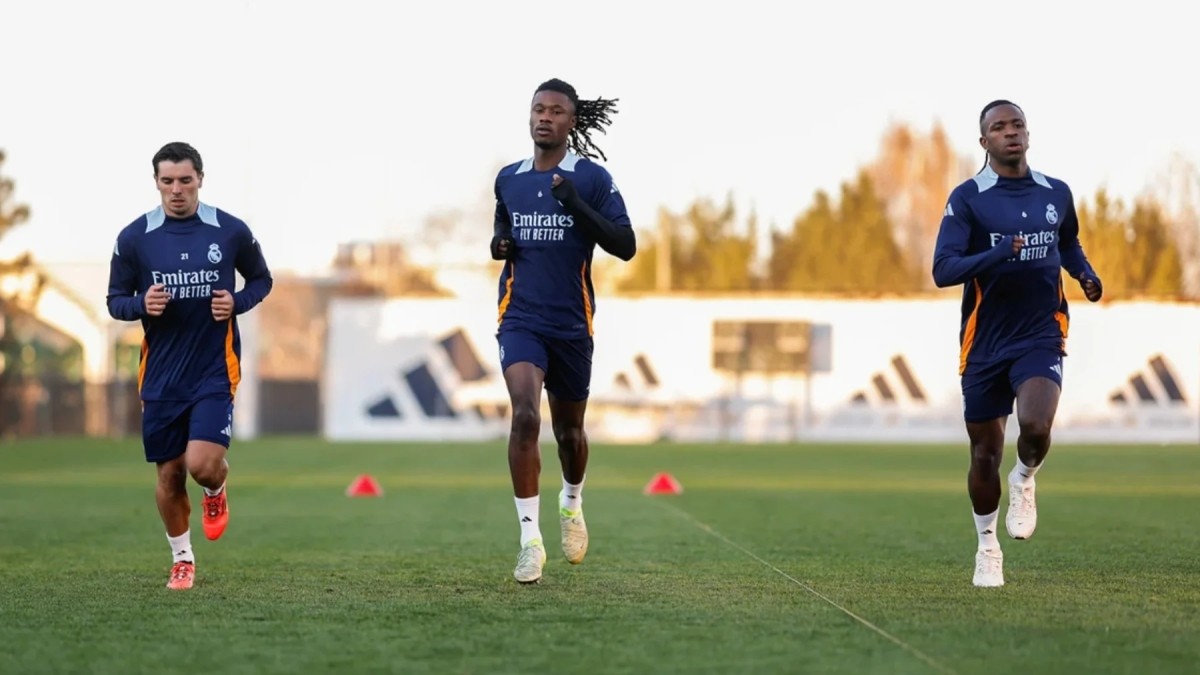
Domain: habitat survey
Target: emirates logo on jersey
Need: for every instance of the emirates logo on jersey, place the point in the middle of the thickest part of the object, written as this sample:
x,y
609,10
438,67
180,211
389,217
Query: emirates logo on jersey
x,y
541,226
183,285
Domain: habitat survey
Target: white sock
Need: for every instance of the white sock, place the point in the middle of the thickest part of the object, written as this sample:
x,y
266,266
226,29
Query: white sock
x,y
181,547
1023,474
571,497
986,527
527,514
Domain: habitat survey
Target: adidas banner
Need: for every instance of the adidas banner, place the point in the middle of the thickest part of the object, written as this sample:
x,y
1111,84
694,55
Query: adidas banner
x,y
428,369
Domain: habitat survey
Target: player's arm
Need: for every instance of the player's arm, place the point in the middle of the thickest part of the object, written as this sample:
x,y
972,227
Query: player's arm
x,y
951,264
124,302
606,222
251,264
1070,251
502,245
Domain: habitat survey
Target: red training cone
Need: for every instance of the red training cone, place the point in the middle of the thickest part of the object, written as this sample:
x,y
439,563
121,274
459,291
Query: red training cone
x,y
364,486
663,484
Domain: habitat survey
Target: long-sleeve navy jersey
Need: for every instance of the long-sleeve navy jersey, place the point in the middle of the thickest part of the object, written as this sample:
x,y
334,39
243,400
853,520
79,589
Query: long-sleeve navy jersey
x,y
546,286
186,354
1011,303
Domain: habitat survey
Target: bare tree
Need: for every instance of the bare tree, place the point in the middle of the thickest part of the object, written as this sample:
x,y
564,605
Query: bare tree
x,y
914,174
1177,189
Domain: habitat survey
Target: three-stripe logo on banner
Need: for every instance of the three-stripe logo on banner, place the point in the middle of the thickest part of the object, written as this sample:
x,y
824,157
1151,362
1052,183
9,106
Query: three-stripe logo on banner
x,y
429,389
646,377
887,385
1156,386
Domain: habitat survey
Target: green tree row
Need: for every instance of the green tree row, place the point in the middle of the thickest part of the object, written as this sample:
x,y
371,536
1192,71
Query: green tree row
x,y
849,246
876,237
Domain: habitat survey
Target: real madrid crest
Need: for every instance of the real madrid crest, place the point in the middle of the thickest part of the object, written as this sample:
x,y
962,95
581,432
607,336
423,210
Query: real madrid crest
x,y
1051,214
214,252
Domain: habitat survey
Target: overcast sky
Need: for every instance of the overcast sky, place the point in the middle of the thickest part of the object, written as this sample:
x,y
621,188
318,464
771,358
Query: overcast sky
x,y
354,120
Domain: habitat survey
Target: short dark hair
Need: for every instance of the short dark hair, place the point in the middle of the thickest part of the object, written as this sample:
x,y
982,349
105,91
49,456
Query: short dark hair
x,y
590,115
983,113
998,102
178,151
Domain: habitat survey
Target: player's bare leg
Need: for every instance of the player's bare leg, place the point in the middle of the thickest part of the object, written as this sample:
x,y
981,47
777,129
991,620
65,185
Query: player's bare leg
x,y
983,485
524,381
1037,404
175,509
567,419
206,463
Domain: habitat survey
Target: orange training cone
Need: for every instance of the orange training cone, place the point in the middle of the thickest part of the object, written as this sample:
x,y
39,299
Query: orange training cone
x,y
663,484
364,486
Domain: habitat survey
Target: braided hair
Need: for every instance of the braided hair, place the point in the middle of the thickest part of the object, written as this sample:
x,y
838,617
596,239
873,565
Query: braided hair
x,y
983,113
590,115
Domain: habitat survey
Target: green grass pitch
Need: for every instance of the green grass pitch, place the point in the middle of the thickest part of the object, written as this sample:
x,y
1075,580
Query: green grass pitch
x,y
775,559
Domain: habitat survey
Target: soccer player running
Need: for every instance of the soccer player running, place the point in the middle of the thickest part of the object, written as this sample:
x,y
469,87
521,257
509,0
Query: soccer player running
x,y
551,211
173,270
1004,235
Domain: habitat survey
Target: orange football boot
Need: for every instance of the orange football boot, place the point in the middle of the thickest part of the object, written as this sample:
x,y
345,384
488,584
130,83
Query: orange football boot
x,y
182,575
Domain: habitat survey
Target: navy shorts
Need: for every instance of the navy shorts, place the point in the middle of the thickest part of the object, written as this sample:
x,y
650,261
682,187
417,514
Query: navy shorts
x,y
989,389
567,364
167,426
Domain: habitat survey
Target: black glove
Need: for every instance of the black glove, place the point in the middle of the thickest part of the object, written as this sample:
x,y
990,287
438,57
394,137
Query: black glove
x,y
1099,289
503,247
565,192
